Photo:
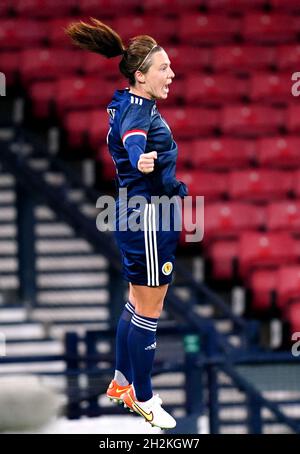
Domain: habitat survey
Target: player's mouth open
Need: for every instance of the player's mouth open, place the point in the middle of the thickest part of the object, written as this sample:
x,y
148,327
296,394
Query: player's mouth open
x,y
166,89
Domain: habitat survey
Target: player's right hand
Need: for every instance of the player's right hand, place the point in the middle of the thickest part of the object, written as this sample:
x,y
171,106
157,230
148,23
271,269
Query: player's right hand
x,y
146,162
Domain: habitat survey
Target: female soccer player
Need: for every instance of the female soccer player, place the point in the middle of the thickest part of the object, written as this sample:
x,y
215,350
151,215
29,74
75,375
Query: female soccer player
x,y
144,152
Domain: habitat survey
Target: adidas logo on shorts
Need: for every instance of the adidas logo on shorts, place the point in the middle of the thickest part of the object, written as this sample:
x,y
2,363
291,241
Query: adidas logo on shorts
x,y
151,347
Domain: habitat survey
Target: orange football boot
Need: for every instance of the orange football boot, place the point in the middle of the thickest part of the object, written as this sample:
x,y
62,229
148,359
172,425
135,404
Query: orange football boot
x,y
115,392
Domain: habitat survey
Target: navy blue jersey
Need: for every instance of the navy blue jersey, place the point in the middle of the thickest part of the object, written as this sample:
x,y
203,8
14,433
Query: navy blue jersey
x,y
136,127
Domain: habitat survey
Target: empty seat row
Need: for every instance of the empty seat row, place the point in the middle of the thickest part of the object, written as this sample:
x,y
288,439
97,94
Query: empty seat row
x,y
186,124
46,64
54,8
195,87
70,93
245,57
90,127
189,28
281,152
279,288
248,184
217,153
224,60
219,89
21,33
252,251
242,5
228,219
247,120
48,8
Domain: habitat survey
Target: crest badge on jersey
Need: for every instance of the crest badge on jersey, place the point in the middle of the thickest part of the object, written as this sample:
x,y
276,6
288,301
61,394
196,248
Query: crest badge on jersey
x,y
167,268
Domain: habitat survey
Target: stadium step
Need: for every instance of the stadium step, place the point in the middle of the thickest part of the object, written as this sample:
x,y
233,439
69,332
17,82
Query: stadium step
x,y
71,297
13,314
22,330
69,273
71,314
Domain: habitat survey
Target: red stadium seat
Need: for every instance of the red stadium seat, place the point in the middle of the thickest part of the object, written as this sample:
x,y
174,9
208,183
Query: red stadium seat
x,y
280,151
222,153
44,8
259,184
243,58
214,89
296,184
82,92
162,28
189,122
103,8
41,64
98,128
199,28
223,254
10,65
167,6
184,58
235,5
105,68
263,27
284,215
208,184
5,8
293,118
131,5
288,284
43,95
192,227
270,87
21,33
288,56
262,284
228,219
88,126
57,36
77,125
265,250
175,95
290,5
293,317
108,166
185,148
251,120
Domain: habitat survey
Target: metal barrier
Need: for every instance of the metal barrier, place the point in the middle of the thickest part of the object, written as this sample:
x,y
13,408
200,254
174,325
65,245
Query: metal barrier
x,y
201,378
88,372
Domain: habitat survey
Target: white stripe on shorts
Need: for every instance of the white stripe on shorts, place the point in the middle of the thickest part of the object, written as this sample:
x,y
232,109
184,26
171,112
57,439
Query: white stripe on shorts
x,y
151,246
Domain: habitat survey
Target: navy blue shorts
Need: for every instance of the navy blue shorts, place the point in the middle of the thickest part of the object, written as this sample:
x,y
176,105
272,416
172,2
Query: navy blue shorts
x,y
147,237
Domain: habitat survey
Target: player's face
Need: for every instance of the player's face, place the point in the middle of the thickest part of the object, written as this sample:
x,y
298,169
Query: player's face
x,y
159,76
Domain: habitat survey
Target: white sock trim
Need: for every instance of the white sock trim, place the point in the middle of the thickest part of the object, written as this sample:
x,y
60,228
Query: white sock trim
x,y
130,307
144,320
144,324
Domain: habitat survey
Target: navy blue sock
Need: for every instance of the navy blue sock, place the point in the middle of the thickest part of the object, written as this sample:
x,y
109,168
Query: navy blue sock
x,y
141,346
123,374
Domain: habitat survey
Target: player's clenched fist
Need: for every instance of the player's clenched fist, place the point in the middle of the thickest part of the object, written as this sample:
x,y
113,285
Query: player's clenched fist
x,y
146,162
